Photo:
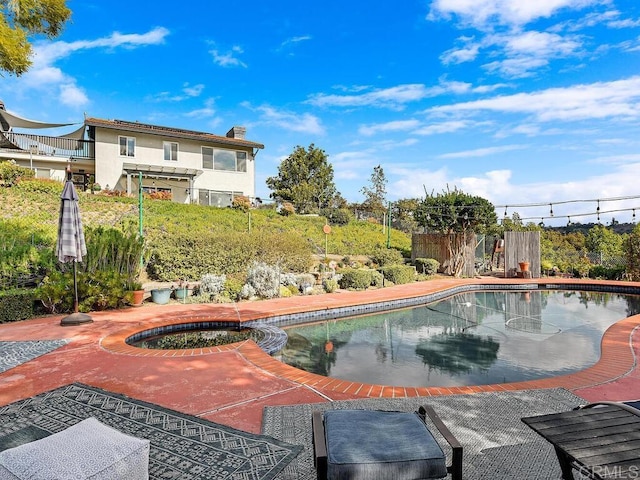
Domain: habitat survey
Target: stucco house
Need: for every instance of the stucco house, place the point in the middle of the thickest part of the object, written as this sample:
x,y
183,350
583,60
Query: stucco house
x,y
195,167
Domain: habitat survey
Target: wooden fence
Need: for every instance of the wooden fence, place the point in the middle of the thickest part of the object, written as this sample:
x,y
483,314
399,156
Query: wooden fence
x,y
435,245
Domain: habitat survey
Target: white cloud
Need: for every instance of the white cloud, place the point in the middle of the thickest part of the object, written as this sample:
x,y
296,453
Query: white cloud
x,y
207,111
397,97
483,152
483,13
72,95
228,58
294,122
291,42
44,75
599,100
466,51
442,127
398,125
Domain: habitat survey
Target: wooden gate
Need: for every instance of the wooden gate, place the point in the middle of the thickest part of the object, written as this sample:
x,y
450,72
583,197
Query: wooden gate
x,y
521,247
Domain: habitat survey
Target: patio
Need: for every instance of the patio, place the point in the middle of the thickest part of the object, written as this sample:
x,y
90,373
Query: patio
x,y
231,385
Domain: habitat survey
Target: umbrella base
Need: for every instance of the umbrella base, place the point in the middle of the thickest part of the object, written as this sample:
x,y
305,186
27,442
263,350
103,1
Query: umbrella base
x,y
76,319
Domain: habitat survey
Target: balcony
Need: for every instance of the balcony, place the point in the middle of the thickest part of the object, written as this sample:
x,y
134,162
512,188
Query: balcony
x,y
44,145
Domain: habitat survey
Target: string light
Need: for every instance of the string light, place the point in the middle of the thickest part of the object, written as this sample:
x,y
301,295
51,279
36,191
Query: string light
x,y
551,209
633,217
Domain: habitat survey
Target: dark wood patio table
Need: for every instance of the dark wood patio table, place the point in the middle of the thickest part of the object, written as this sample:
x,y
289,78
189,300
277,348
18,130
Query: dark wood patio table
x,y
601,441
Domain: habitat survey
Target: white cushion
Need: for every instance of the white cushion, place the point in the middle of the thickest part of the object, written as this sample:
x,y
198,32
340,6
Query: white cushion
x,y
86,450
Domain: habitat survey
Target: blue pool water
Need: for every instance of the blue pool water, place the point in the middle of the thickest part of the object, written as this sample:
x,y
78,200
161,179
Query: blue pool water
x,y
474,338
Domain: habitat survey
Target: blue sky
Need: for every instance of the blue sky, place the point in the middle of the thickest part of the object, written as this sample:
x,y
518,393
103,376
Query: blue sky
x,y
517,101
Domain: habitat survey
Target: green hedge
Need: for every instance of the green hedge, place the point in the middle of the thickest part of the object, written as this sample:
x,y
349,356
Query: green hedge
x,y
357,279
184,256
16,304
427,266
387,256
399,274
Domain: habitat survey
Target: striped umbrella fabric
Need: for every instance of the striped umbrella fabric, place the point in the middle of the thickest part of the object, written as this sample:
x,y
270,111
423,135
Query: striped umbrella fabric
x,y
71,245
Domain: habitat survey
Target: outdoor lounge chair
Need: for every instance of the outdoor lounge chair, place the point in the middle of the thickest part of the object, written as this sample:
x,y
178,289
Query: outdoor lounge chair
x,y
376,445
600,440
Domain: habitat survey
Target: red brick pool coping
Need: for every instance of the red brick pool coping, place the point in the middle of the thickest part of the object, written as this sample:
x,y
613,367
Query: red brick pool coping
x,y
617,355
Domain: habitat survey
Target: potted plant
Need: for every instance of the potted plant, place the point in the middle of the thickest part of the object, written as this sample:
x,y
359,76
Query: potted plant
x,y
161,295
135,293
524,266
182,291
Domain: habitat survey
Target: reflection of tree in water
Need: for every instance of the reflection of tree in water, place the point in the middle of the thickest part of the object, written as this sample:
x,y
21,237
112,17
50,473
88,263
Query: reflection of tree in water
x,y
633,305
458,352
312,353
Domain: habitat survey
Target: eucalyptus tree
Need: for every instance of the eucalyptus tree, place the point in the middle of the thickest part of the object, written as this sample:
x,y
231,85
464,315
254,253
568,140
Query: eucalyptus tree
x,y
20,20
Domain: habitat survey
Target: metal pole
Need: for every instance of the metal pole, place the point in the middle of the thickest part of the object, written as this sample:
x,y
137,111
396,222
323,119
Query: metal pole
x,y
140,201
389,227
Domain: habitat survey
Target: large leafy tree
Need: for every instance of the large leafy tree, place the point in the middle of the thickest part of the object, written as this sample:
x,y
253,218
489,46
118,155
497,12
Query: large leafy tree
x,y
375,194
604,240
455,212
305,178
22,19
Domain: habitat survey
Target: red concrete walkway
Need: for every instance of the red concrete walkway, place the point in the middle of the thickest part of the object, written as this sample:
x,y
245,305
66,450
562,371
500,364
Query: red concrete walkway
x,y
232,384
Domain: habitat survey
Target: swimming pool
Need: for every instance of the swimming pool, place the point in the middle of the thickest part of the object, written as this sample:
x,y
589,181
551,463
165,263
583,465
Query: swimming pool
x,y
473,338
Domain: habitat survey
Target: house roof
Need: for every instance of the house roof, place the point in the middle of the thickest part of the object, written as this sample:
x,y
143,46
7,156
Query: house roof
x,y
138,127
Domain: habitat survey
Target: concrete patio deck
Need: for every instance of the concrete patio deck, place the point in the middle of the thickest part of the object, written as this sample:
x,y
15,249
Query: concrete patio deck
x,y
232,384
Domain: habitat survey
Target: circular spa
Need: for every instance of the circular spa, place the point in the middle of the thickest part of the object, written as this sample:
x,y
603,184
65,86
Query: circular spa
x,y
472,338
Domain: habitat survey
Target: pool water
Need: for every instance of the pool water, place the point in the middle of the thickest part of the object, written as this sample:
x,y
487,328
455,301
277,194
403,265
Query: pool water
x,y
474,338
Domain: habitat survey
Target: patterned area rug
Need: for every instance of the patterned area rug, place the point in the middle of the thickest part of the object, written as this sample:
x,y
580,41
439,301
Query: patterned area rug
x,y
13,354
182,446
497,445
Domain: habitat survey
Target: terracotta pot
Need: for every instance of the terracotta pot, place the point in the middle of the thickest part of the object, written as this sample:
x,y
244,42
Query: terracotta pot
x,y
524,266
138,297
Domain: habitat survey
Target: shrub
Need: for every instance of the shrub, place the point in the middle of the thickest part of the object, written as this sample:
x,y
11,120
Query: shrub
x,y
427,266
399,274
212,284
241,203
337,216
287,209
356,279
286,292
100,290
41,185
11,173
377,279
607,273
305,282
247,291
330,285
289,279
232,288
265,280
16,304
387,256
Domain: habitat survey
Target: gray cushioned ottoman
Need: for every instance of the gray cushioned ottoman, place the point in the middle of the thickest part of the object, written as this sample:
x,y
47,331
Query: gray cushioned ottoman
x,y
377,445
87,450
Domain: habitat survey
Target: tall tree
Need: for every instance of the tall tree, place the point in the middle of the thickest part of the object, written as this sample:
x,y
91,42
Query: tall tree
x,y
305,178
455,212
22,19
376,193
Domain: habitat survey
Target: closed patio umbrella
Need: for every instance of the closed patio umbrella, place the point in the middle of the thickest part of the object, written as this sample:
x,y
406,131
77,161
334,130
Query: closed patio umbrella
x,y
71,246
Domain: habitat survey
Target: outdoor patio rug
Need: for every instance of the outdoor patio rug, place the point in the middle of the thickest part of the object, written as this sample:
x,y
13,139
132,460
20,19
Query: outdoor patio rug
x,y
182,446
497,445
13,354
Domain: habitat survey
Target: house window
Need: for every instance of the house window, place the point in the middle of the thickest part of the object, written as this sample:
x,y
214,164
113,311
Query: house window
x,y
215,198
207,158
43,173
225,160
170,151
127,146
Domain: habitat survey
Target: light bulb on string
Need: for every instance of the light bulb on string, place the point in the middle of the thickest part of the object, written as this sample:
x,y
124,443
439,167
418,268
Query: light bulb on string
x,y
505,212
633,217
568,220
598,211
541,222
551,209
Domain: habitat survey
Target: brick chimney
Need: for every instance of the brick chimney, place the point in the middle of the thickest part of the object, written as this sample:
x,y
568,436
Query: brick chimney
x,y
237,132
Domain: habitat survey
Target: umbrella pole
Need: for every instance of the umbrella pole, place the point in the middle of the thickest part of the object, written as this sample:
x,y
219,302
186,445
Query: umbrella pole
x,y
76,318
75,287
